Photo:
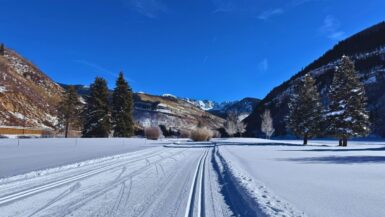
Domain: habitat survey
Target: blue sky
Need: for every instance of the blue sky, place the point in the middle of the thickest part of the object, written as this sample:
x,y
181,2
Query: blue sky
x,y
204,49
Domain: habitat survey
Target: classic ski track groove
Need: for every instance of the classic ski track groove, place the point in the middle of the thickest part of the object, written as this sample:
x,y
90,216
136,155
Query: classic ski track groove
x,y
41,188
99,165
110,186
192,195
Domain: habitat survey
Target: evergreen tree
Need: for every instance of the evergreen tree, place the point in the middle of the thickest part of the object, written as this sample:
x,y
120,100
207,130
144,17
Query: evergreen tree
x,y
347,115
122,106
69,110
2,49
96,115
305,110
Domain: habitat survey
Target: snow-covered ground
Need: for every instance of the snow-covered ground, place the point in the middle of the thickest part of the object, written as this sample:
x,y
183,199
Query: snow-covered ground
x,y
316,180
156,181
18,156
227,177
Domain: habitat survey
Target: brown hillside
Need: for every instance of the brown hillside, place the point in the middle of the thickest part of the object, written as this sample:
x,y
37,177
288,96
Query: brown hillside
x,y
27,96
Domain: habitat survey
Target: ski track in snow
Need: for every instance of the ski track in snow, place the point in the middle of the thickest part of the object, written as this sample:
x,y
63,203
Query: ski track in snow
x,y
199,180
156,181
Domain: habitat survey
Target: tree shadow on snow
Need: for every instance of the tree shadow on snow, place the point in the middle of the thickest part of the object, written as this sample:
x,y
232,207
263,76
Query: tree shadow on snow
x,y
257,144
342,149
339,159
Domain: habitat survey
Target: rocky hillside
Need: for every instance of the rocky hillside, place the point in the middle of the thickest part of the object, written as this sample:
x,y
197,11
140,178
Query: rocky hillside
x,y
27,96
171,112
367,49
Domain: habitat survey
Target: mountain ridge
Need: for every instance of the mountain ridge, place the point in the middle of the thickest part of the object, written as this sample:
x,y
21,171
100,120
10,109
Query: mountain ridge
x,y
366,48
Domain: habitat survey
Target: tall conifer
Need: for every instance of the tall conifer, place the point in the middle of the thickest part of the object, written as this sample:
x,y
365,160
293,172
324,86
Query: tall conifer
x,y
305,110
97,118
347,115
69,110
122,108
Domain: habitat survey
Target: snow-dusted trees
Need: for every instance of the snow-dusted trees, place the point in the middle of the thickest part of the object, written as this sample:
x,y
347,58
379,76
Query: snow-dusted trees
x,y
267,124
233,125
305,110
122,106
347,115
69,110
97,120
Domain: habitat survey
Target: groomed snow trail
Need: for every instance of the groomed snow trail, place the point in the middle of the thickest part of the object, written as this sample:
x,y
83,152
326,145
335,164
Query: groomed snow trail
x,y
153,182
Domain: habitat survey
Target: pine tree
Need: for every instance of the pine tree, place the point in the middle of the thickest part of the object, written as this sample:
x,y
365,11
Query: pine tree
x,y
347,115
122,106
69,110
2,49
96,115
305,114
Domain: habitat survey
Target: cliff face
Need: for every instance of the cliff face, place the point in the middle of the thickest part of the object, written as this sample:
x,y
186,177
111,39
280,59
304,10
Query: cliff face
x,y
28,97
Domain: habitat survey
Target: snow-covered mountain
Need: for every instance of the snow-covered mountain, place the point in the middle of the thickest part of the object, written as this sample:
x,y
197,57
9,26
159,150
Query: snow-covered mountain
x,y
206,105
366,49
241,107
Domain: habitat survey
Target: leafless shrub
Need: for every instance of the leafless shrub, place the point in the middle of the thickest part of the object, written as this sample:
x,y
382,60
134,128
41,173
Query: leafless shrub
x,y
152,133
184,134
201,134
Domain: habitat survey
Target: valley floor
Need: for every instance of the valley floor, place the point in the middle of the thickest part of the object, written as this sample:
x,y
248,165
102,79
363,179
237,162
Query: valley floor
x,y
227,177
319,180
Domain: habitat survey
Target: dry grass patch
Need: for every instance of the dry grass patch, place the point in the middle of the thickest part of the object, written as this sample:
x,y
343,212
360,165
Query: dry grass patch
x,y
152,133
201,134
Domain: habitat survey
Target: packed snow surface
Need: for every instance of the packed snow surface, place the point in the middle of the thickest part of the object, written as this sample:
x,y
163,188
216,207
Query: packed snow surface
x,y
19,156
156,181
225,177
319,180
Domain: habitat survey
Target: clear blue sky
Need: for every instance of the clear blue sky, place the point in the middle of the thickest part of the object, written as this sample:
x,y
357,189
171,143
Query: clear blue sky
x,y
205,49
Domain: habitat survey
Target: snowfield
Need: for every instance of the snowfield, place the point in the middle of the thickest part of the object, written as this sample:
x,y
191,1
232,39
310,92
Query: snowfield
x,y
156,181
316,180
225,177
18,156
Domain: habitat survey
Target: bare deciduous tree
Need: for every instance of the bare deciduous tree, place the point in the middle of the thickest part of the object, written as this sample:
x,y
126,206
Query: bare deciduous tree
x,y
233,125
241,127
267,124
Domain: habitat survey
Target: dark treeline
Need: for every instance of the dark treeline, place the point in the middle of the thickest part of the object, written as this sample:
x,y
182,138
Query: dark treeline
x,y
101,115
